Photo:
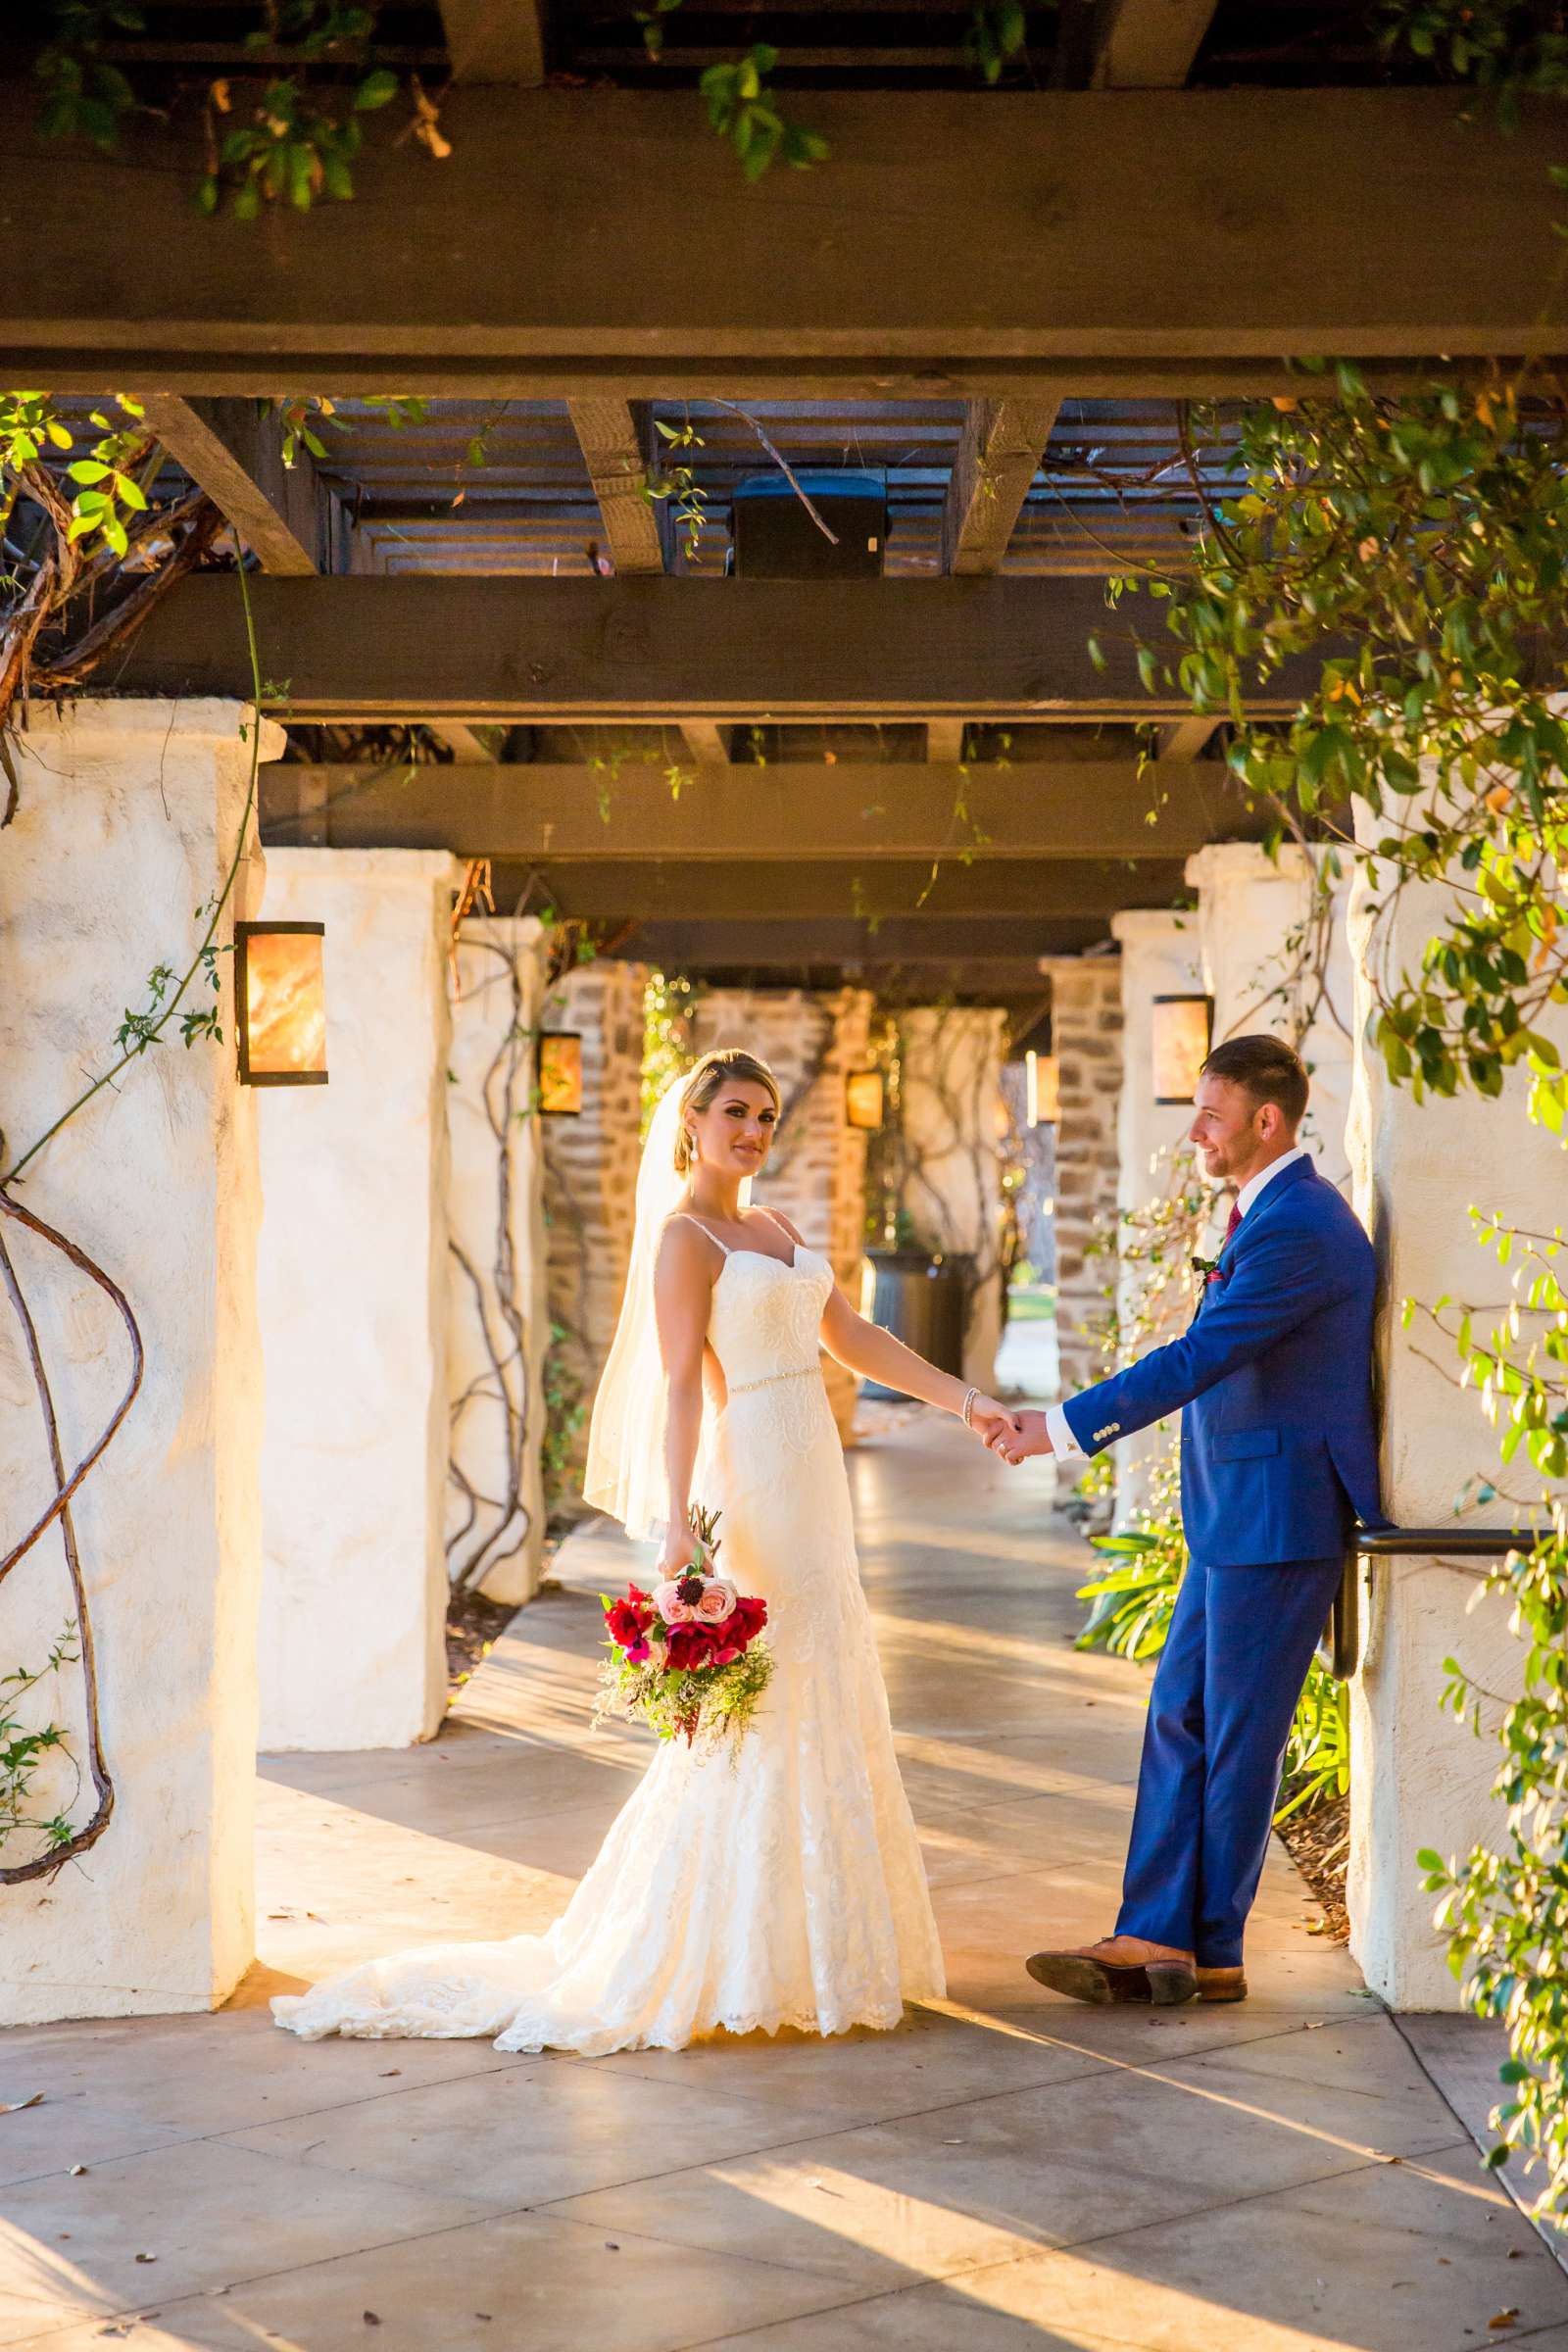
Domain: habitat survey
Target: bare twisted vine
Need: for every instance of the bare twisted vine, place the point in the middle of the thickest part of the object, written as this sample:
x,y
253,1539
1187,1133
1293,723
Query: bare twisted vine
x,y
46,1864
505,1380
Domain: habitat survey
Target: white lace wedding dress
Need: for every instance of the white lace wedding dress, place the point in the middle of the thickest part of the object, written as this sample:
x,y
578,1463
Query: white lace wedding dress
x,y
782,1888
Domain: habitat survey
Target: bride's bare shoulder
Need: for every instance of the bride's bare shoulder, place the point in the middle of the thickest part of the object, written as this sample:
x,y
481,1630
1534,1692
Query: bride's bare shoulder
x,y
685,1243
788,1224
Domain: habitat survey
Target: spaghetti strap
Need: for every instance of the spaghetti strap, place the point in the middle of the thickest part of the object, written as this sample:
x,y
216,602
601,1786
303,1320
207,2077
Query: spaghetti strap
x,y
686,1219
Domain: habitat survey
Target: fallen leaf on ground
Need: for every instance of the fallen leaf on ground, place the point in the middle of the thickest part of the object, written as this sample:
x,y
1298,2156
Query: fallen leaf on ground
x,y
146,2258
14,2106
1505,2319
76,2171
372,2319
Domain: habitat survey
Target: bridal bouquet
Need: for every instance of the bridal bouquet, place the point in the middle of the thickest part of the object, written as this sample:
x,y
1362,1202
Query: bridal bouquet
x,y
686,1659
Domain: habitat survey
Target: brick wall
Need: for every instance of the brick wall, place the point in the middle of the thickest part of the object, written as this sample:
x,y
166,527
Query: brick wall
x,y
816,1176
1085,1021
590,1171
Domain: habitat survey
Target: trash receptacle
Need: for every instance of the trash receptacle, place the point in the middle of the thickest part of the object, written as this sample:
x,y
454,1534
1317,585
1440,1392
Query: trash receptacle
x,y
921,1299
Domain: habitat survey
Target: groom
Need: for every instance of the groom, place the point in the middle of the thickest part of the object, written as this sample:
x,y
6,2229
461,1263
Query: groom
x,y
1279,1457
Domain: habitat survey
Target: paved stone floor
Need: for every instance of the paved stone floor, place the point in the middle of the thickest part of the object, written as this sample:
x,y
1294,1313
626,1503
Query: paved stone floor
x,y
1007,2171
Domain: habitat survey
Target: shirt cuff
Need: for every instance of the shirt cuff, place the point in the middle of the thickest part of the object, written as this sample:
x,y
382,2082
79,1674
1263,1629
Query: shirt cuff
x,y
1063,1445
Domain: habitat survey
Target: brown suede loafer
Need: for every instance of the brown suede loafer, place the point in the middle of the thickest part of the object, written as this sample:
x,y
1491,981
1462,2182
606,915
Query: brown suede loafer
x,y
1153,1984
1222,1984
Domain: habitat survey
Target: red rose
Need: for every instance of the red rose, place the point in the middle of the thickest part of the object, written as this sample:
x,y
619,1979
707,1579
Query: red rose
x,y
628,1624
747,1621
691,1647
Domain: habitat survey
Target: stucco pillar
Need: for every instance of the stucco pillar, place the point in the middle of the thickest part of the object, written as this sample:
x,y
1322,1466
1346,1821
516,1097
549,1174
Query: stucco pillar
x,y
498,1317
1086,1026
1253,913
816,1175
353,1288
952,1115
1418,1779
590,1172
128,814
1160,957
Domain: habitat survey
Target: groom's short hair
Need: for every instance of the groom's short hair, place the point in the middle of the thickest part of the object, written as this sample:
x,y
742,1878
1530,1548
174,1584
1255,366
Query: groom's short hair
x,y
1270,1071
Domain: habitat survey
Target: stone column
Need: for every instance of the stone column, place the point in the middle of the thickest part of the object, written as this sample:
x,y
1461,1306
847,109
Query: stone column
x,y
1418,1779
589,1174
1160,957
352,1287
952,1115
1252,911
499,1310
816,1175
1086,1021
128,814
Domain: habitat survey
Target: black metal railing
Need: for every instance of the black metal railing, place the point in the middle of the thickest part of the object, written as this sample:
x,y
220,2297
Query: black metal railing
x,y
1342,1641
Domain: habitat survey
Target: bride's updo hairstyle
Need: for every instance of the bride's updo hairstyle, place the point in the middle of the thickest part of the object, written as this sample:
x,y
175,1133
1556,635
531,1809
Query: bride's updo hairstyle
x,y
712,1074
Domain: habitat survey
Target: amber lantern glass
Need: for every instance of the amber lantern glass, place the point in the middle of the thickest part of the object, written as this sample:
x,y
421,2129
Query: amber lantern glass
x,y
561,1073
1042,1090
1181,1034
863,1104
281,997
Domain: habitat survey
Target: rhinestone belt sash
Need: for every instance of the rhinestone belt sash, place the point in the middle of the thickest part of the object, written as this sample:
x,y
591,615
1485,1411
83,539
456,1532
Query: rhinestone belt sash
x,y
806,1372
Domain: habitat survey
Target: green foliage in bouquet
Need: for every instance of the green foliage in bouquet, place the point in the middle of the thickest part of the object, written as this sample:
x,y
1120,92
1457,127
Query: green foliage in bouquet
x,y
707,1709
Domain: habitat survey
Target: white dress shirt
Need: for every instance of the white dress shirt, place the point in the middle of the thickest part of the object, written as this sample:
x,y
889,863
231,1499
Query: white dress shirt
x,y
1063,1445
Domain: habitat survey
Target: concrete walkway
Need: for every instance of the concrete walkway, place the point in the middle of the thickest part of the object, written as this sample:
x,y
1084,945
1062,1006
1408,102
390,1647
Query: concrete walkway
x,y
1009,2171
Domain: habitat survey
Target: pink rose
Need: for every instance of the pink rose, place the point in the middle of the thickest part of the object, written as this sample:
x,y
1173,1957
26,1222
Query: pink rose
x,y
717,1603
669,1604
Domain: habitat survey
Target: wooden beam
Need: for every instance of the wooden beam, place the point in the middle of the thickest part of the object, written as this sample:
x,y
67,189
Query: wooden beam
x,y
410,649
618,472
859,814
235,452
1148,44
707,743
786,944
1186,738
466,746
944,739
1017,891
717,953
996,244
998,457
495,40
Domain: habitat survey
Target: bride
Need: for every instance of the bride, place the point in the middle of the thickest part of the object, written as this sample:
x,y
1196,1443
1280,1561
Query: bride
x,y
781,1885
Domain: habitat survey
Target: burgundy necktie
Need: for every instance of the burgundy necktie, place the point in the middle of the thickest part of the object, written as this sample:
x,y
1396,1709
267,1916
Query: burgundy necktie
x,y
1235,1220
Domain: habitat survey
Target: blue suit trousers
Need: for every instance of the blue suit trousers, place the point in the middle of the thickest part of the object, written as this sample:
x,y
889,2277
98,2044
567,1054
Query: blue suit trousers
x,y
1240,1645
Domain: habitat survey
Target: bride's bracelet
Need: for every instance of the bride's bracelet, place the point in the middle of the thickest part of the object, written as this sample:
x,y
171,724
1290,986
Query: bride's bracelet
x,y
971,1400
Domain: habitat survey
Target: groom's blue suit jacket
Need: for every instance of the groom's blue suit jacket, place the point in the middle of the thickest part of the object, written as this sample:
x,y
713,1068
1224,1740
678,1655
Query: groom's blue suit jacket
x,y
1279,1444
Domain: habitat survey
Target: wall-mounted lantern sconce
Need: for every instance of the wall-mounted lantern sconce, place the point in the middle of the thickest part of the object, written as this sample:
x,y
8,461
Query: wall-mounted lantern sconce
x,y
560,1073
1042,1086
1182,1026
864,1104
280,1003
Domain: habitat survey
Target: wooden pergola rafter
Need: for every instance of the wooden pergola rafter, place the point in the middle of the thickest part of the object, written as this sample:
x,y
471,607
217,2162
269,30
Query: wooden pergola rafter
x,y
1057,244
1013,271
396,651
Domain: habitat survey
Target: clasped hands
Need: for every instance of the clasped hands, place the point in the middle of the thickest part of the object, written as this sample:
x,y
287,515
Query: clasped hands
x,y
1012,1436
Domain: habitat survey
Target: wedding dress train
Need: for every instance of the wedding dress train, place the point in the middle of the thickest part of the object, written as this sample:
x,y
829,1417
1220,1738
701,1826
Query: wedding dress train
x,y
782,1887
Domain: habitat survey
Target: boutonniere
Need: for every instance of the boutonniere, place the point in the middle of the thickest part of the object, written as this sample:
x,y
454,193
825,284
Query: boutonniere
x,y
1207,1269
